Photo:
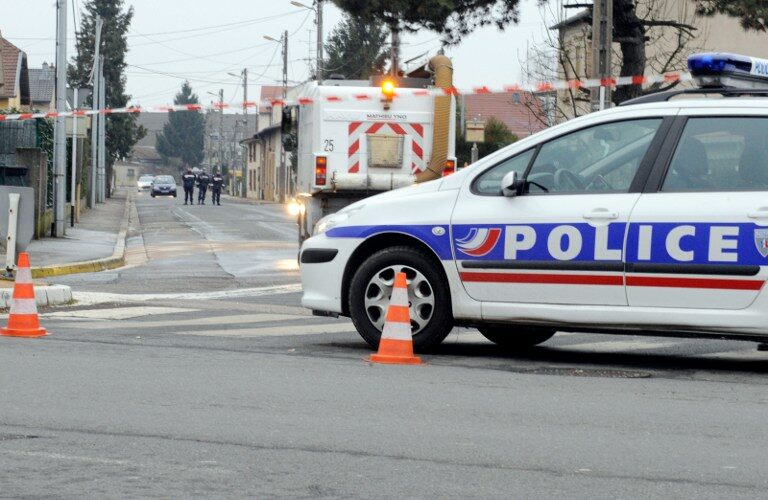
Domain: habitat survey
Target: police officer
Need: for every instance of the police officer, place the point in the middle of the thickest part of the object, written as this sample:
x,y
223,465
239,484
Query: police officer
x,y
188,179
216,182
203,179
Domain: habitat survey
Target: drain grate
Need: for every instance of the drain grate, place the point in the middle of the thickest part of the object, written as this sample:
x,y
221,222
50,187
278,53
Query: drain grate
x,y
11,437
581,372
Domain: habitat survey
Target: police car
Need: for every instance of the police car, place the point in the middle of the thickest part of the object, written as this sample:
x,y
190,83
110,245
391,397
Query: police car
x,y
649,218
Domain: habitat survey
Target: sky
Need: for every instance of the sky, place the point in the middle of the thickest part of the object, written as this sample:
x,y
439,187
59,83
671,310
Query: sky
x,y
209,42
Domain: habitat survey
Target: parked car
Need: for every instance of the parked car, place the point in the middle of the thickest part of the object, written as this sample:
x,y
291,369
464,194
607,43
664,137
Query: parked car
x,y
144,182
164,185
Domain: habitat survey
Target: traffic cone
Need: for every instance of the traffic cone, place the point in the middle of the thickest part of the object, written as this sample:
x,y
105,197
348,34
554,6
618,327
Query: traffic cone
x,y
23,320
396,344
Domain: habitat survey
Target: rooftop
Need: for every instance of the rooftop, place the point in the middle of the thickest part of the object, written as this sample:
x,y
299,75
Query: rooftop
x,y
519,111
42,82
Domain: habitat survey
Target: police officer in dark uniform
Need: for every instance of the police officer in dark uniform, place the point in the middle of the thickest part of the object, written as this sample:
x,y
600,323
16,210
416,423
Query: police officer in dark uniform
x,y
203,179
216,182
188,179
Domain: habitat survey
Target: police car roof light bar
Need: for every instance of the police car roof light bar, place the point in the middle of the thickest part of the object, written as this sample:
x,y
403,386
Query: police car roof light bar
x,y
720,69
724,74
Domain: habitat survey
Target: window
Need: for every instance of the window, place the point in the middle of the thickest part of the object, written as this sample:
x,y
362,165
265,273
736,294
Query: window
x,y
603,158
489,182
720,154
131,172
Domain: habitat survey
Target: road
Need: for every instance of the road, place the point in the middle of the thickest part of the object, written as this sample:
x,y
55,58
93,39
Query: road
x,y
194,372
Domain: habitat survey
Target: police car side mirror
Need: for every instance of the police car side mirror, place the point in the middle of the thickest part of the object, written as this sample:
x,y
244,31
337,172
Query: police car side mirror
x,y
510,184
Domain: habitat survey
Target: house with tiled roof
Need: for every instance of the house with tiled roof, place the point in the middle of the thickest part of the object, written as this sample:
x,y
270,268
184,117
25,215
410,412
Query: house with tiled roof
x,y
14,92
521,112
42,84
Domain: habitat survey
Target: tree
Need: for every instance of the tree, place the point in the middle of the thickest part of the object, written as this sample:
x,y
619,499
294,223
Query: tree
x,y
356,48
753,14
122,132
497,135
648,39
183,136
451,18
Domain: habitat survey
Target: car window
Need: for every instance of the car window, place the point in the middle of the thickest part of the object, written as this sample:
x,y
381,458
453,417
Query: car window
x,y
720,154
164,179
602,158
489,182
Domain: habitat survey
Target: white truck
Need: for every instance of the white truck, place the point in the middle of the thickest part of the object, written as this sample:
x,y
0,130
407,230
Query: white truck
x,y
357,141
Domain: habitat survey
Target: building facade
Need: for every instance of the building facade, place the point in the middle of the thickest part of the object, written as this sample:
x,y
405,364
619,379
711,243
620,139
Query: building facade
x,y
664,51
14,91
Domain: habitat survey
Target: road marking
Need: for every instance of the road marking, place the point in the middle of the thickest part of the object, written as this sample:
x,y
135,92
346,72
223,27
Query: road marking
x,y
745,355
103,297
116,313
205,321
59,456
617,346
276,331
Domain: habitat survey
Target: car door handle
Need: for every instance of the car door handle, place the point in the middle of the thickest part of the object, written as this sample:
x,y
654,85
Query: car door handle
x,y
601,214
761,213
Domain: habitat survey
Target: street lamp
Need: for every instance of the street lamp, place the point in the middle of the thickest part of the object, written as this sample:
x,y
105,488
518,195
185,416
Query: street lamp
x,y
267,37
318,10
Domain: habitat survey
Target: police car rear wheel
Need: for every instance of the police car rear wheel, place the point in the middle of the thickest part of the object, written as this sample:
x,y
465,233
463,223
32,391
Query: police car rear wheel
x,y
429,300
516,336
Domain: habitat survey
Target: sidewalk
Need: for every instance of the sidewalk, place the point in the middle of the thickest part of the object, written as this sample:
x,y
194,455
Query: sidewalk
x,y
94,237
96,243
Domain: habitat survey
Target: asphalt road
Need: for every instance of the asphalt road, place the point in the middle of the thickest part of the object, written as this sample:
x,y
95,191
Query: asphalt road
x,y
194,372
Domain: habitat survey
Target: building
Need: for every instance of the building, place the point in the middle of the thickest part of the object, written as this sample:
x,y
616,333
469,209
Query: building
x,y
42,86
14,92
263,164
521,112
719,33
265,172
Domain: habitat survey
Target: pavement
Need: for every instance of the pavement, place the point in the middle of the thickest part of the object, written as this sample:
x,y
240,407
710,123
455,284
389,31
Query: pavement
x,y
96,243
192,371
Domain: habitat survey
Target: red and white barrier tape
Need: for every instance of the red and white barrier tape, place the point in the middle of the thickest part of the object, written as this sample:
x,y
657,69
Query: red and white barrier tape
x,y
371,95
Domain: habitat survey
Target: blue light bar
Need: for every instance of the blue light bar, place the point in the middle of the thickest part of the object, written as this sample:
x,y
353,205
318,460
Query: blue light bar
x,y
720,69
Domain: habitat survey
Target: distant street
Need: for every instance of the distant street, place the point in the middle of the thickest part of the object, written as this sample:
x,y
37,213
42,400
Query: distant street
x,y
194,372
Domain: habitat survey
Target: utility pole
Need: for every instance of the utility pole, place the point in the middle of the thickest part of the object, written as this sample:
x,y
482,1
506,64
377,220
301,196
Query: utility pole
x,y
602,42
102,186
73,196
244,166
283,166
319,6
60,132
94,81
221,130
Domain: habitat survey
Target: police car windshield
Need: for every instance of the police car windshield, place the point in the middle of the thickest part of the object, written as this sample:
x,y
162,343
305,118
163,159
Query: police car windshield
x,y
164,179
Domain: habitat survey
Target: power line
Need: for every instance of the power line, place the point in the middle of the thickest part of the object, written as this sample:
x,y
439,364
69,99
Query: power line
x,y
201,34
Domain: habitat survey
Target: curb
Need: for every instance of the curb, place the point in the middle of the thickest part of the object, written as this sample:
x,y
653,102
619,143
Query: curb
x,y
47,295
89,266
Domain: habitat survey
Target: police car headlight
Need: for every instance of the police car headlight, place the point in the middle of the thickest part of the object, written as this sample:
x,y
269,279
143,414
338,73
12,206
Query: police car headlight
x,y
330,221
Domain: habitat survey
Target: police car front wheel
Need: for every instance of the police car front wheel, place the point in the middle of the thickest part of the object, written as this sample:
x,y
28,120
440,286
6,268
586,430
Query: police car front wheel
x,y
428,296
515,337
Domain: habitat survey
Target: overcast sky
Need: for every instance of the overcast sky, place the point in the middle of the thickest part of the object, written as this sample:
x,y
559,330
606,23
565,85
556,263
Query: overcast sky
x,y
204,40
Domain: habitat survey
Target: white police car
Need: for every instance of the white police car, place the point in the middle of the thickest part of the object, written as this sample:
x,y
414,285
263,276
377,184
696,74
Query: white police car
x,y
650,218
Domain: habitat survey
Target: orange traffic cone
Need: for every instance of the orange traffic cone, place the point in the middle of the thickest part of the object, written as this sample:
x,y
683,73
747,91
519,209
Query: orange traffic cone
x,y
23,320
396,344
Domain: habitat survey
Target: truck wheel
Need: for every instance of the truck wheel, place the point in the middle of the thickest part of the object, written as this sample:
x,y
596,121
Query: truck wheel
x,y
428,296
516,337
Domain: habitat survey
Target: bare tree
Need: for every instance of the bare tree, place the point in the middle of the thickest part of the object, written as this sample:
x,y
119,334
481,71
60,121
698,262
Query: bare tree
x,y
650,36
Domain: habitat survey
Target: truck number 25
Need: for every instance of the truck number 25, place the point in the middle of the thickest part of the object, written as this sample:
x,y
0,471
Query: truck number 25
x,y
328,145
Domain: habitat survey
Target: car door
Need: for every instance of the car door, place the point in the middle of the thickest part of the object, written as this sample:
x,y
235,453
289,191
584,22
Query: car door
x,y
561,240
699,237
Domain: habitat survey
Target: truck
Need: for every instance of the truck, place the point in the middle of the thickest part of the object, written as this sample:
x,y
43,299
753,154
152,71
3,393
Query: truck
x,y
356,139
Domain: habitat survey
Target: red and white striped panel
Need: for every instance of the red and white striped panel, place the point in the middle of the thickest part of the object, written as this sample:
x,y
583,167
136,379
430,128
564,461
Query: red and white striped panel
x,y
415,131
